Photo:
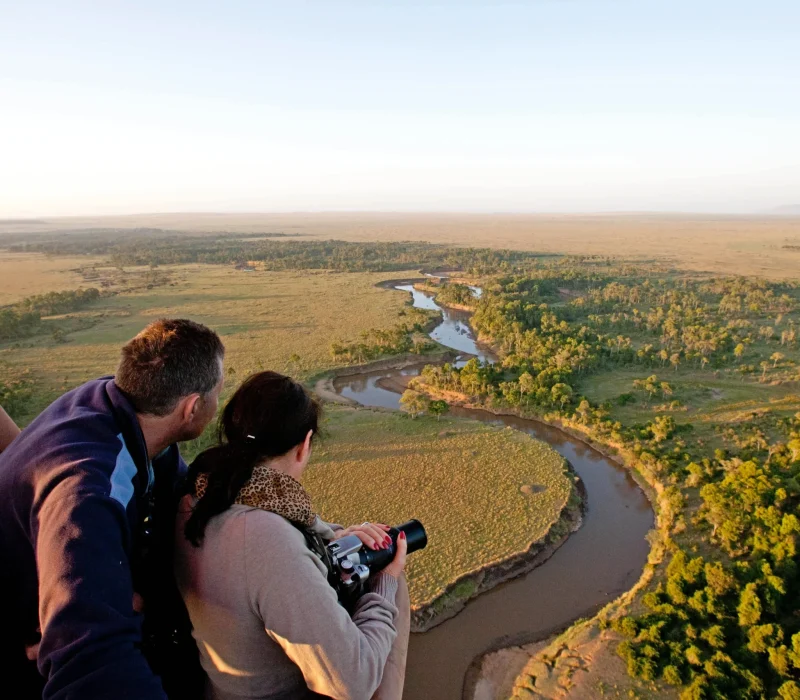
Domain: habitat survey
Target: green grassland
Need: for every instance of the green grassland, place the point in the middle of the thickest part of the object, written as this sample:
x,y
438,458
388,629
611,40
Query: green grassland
x,y
462,479
283,321
704,399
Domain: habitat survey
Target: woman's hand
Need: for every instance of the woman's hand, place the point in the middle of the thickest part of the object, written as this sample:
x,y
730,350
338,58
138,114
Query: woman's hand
x,y
399,562
372,535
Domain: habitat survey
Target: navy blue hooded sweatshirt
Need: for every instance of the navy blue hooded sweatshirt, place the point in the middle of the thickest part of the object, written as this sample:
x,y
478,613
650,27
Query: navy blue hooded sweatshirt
x,y
73,489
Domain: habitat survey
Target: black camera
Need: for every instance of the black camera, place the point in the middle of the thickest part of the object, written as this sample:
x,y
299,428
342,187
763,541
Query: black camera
x,y
352,563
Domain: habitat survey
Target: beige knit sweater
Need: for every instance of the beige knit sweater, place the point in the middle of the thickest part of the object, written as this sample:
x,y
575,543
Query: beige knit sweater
x,y
266,621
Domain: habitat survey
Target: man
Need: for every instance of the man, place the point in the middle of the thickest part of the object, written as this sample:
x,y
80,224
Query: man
x,y
81,489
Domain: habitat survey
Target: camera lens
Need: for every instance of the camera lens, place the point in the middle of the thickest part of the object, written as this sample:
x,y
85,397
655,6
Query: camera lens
x,y
416,536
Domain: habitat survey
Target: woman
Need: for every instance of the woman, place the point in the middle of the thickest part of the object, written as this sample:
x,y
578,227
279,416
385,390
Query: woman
x,y
266,620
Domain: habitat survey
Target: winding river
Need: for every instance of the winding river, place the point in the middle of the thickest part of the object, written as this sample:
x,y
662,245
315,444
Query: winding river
x,y
603,559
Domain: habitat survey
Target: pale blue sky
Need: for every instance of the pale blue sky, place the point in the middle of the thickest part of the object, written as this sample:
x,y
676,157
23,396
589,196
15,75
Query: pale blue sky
x,y
546,105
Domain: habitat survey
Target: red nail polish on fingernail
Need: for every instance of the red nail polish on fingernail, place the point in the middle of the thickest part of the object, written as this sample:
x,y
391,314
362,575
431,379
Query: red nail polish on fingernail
x,y
403,535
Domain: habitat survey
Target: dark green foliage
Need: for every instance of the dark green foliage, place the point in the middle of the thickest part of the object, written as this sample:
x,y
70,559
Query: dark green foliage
x,y
625,399
24,318
15,394
438,408
730,631
454,294
406,336
157,247
54,303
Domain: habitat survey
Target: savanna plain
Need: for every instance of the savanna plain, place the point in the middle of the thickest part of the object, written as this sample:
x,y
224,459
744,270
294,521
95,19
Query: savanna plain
x,y
680,359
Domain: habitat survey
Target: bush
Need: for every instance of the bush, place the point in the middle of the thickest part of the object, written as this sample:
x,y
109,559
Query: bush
x,y
625,399
672,675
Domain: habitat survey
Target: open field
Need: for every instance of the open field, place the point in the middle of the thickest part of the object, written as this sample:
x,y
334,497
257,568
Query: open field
x,y
724,244
707,399
25,274
462,479
264,319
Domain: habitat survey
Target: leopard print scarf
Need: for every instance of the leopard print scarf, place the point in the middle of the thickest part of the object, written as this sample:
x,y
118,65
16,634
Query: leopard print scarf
x,y
271,490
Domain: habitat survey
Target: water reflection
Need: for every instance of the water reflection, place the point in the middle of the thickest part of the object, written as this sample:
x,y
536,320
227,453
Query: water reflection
x,y
364,388
454,331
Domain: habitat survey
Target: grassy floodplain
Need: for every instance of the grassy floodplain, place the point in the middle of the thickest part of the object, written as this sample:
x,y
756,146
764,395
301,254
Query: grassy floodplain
x,y
284,321
482,492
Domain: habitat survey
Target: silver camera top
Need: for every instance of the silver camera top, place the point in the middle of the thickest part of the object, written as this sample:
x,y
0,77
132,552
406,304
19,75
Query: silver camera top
x,y
344,547
345,555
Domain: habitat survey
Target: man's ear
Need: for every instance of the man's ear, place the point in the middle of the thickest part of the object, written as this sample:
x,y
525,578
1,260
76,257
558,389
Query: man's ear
x,y
189,407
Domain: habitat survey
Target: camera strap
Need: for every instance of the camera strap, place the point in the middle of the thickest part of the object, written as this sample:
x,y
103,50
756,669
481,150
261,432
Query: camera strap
x,y
317,545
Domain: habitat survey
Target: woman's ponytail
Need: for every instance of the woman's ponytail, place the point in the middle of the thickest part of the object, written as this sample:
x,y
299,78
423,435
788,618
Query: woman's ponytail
x,y
267,416
226,468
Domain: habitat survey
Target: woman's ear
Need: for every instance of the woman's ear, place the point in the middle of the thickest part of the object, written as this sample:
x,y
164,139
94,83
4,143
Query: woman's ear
x,y
305,448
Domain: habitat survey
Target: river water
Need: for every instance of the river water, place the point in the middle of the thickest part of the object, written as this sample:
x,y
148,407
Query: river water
x,y
597,563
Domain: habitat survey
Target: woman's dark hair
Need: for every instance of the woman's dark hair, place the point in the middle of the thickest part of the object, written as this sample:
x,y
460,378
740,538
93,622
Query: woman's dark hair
x,y
267,416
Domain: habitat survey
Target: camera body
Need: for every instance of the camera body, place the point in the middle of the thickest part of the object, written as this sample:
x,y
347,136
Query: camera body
x,y
351,563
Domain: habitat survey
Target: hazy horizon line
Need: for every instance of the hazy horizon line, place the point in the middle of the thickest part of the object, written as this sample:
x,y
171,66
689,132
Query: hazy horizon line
x,y
790,211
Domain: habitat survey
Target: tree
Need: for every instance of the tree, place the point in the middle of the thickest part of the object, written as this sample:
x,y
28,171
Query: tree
x,y
650,385
662,428
438,408
738,351
562,393
776,357
414,403
749,606
526,383
675,360
789,691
